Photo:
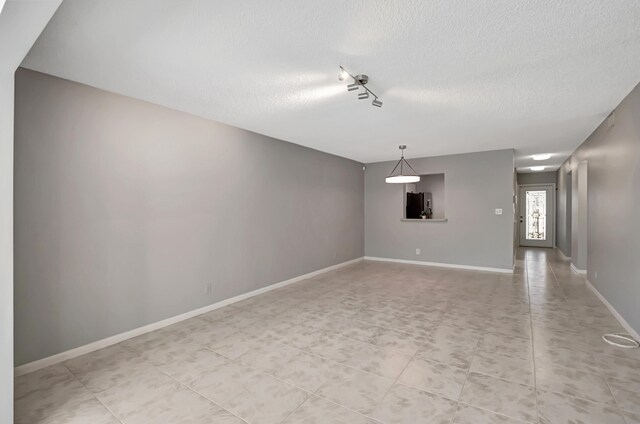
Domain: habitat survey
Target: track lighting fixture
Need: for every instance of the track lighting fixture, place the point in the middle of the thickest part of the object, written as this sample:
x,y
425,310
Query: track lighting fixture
x,y
359,81
402,178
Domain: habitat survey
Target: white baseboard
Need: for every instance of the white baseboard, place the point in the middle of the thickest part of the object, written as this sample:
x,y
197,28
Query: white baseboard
x,y
578,270
109,341
562,255
441,265
615,313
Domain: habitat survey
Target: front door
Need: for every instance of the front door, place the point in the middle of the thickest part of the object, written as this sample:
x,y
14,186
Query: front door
x,y
536,215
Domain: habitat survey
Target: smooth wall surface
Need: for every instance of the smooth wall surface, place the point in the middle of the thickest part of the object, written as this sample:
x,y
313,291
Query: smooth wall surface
x,y
579,212
475,185
563,219
537,178
125,211
20,24
611,159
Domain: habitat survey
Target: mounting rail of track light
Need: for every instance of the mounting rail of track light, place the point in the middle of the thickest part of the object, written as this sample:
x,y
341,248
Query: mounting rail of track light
x,y
359,81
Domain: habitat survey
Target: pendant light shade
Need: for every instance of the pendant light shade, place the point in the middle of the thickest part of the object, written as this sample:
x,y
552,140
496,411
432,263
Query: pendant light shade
x,y
402,177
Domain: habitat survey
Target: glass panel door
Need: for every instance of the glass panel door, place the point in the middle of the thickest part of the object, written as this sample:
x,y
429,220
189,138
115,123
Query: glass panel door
x,y
536,215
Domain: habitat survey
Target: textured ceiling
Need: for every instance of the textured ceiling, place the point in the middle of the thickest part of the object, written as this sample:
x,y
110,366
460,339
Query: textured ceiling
x,y
455,76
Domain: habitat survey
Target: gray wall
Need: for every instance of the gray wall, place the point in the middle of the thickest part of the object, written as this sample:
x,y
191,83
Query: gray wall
x,y
563,220
572,210
126,210
434,184
537,177
20,24
475,185
612,158
579,230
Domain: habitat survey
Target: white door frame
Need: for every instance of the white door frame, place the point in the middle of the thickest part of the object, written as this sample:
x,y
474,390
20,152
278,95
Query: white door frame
x,y
553,208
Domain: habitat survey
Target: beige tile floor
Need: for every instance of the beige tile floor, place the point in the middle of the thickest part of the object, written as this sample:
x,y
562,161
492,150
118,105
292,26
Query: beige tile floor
x,y
370,343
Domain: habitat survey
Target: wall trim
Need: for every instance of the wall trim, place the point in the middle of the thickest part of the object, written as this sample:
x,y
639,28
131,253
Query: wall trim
x,y
110,341
615,313
578,270
440,264
562,255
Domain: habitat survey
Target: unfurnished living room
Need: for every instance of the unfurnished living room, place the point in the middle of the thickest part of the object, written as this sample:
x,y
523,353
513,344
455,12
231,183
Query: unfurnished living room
x,y
319,212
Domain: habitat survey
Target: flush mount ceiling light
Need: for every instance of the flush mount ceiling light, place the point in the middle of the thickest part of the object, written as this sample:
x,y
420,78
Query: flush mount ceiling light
x,y
544,156
402,177
537,168
359,81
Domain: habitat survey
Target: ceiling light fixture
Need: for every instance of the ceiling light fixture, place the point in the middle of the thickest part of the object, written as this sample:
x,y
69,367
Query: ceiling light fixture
x,y
359,81
402,178
544,156
537,168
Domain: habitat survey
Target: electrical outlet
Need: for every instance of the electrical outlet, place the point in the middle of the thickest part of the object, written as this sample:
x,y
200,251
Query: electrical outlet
x,y
498,211
417,251
207,289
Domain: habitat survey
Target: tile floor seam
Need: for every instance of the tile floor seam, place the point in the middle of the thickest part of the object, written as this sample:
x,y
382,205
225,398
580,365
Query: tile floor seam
x,y
613,396
292,385
436,322
533,351
465,380
562,304
601,373
398,377
93,394
328,359
200,394
494,412
581,398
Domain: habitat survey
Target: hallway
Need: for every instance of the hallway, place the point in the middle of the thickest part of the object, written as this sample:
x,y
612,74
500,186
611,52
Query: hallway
x,y
370,343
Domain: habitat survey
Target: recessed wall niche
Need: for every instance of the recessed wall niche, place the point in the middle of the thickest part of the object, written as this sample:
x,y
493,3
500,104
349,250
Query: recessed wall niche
x,y
425,199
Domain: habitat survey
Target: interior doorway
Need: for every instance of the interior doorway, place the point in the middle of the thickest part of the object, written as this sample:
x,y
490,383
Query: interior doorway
x,y
579,202
537,215
568,212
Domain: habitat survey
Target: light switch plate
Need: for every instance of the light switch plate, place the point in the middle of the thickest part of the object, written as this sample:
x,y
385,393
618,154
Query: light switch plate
x,y
498,211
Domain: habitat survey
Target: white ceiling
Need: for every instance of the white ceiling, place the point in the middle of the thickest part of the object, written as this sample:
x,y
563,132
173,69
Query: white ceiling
x,y
455,76
21,22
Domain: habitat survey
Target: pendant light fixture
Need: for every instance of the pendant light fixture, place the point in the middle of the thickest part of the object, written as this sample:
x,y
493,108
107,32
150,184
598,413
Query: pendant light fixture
x,y
403,178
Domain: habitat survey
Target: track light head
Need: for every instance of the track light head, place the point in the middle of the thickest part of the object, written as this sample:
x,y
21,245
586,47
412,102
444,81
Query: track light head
x,y
359,80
